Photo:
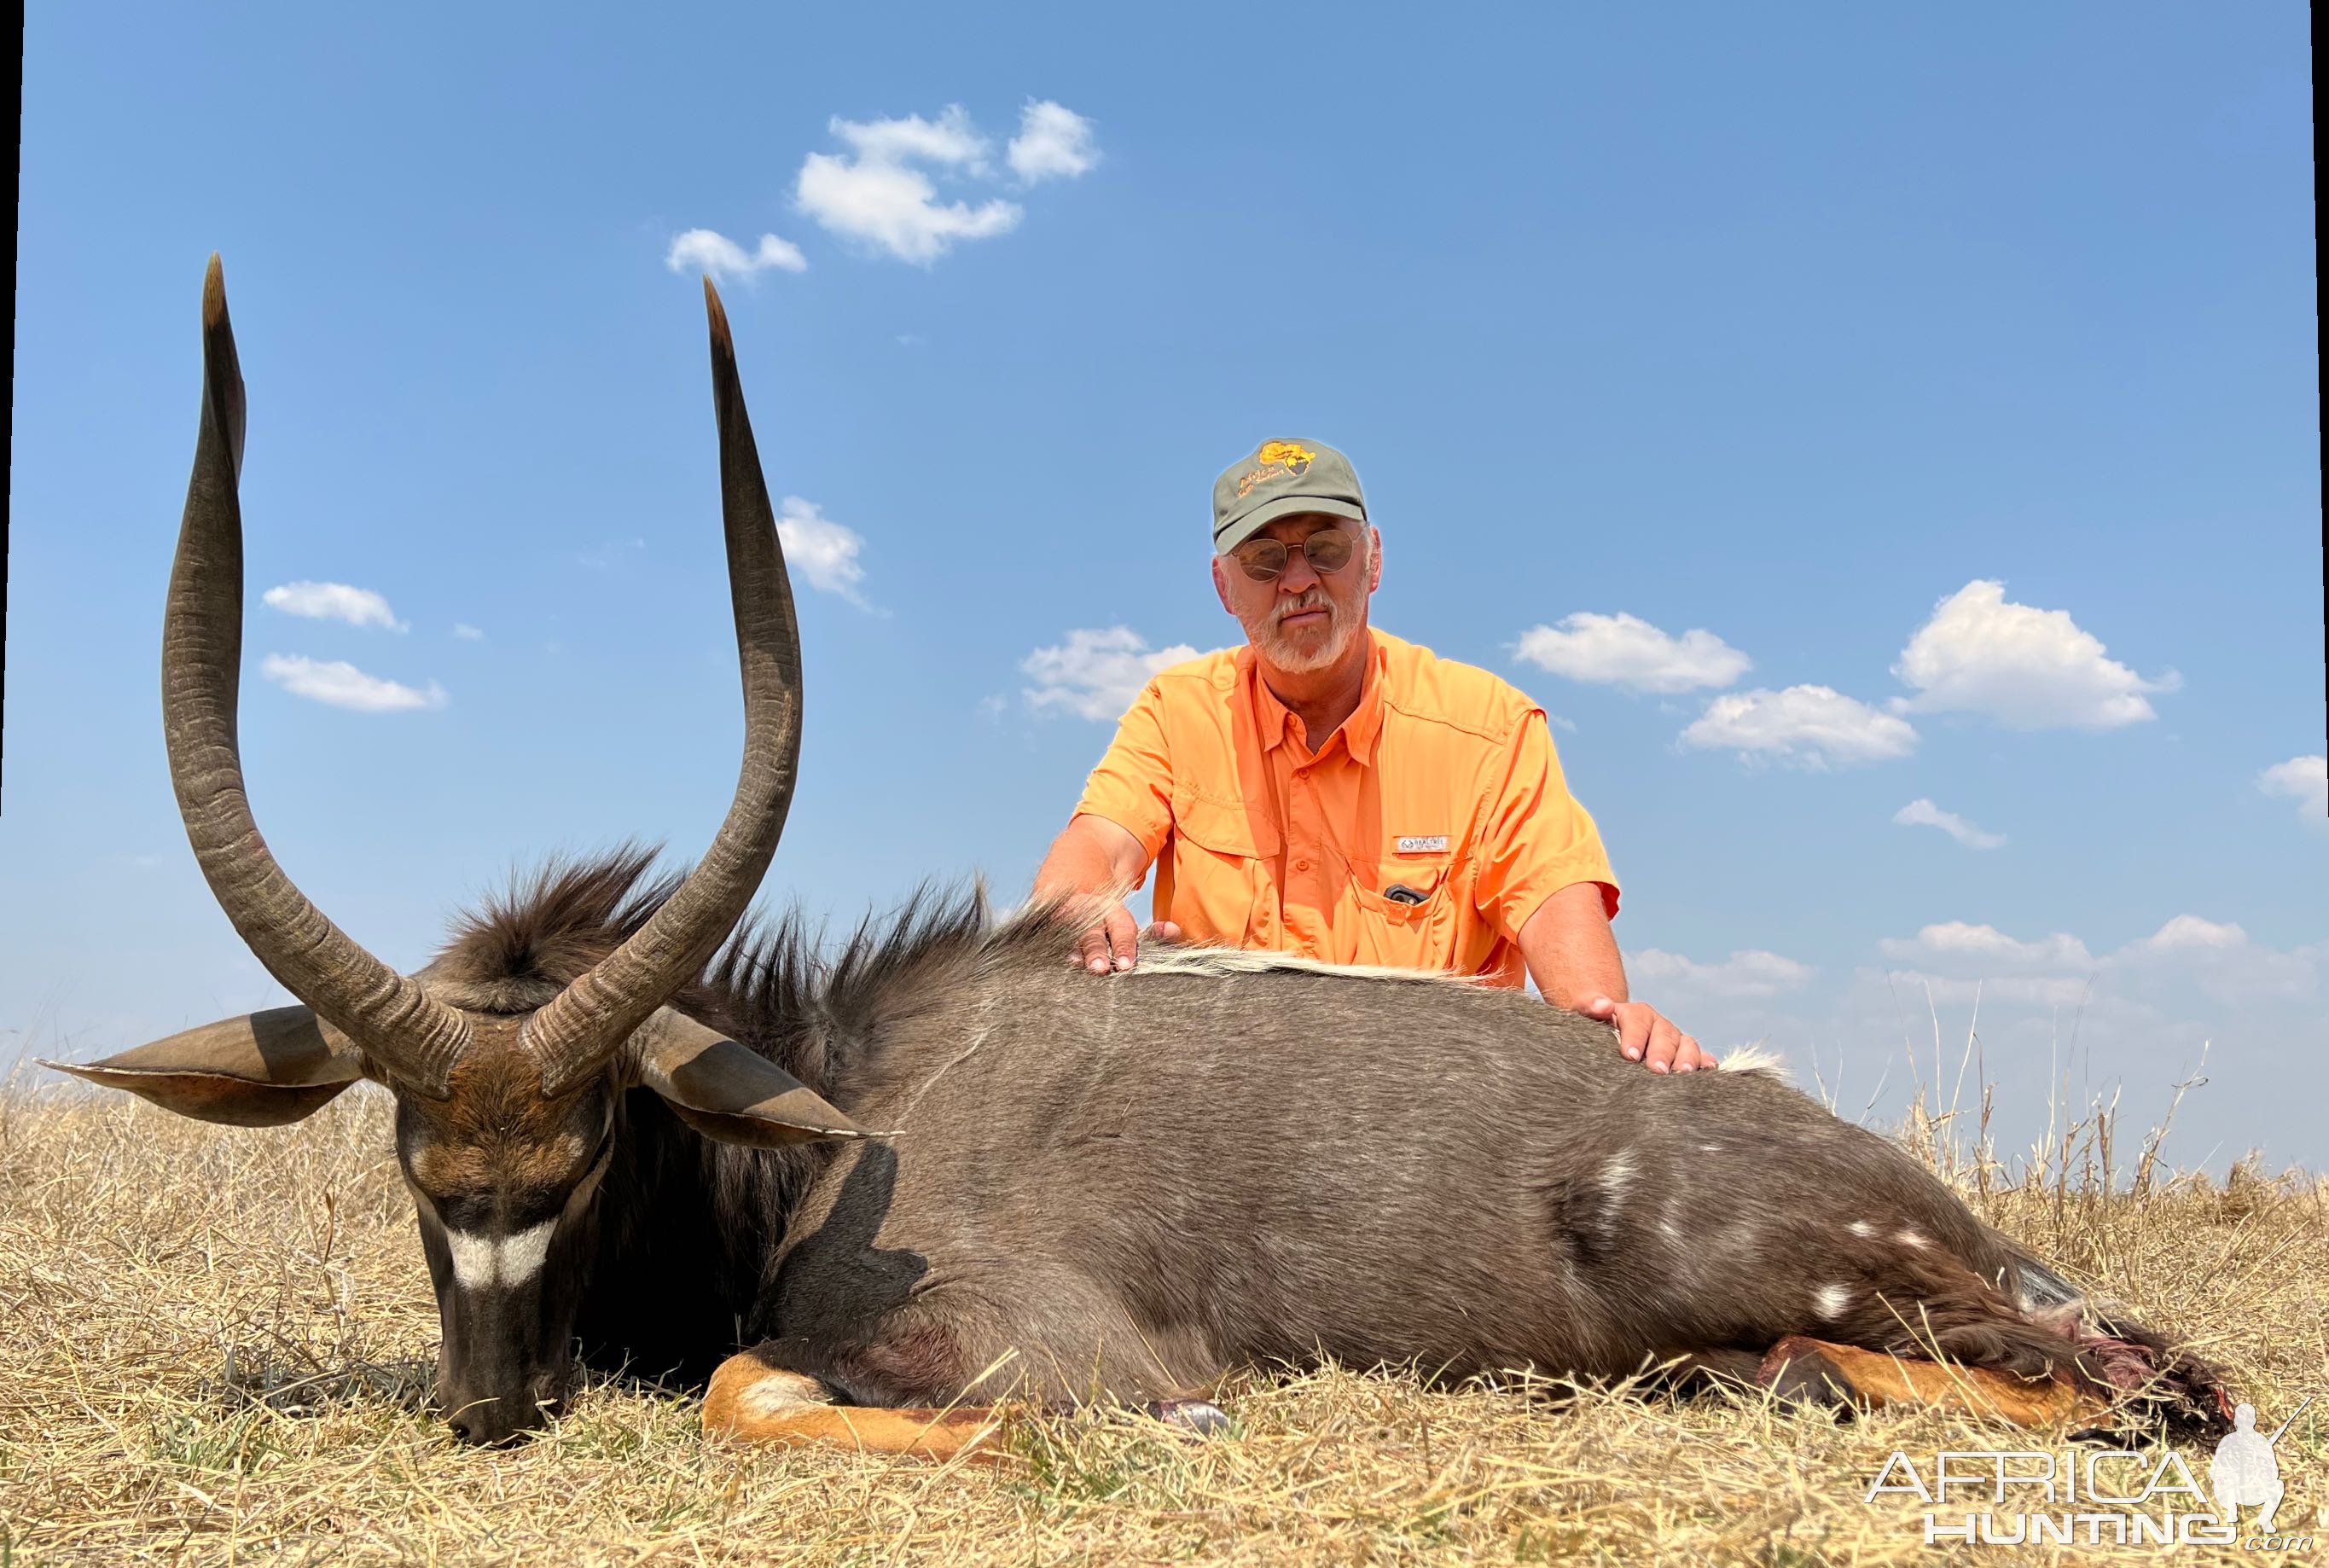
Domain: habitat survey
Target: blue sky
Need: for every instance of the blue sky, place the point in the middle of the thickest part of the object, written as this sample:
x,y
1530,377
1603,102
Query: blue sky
x,y
1932,392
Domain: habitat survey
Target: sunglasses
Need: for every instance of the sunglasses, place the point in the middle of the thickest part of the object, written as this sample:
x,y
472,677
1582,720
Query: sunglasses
x,y
1263,559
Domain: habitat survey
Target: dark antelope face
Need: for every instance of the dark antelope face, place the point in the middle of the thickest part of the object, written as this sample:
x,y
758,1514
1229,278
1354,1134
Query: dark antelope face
x,y
504,1179
504,1106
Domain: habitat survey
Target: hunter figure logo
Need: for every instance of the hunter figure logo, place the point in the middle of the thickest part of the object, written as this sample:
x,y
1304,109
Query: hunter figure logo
x,y
2245,1473
1289,456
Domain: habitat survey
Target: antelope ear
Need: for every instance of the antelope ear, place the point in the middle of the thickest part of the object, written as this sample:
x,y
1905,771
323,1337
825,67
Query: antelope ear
x,y
261,1070
727,1092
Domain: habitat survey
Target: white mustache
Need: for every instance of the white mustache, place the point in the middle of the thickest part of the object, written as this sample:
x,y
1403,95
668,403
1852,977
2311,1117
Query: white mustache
x,y
1308,601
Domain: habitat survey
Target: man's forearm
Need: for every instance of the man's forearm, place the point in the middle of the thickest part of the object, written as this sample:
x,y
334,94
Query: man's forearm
x,y
1572,957
1570,951
1091,854
1070,867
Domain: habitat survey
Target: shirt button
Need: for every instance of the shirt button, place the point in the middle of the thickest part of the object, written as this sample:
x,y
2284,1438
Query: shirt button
x,y
1301,865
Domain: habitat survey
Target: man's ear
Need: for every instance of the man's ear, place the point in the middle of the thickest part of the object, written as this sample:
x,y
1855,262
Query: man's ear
x,y
729,1092
261,1070
1222,586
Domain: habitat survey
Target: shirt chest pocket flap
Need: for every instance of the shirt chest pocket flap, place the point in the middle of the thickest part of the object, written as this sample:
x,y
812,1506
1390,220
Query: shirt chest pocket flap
x,y
1222,827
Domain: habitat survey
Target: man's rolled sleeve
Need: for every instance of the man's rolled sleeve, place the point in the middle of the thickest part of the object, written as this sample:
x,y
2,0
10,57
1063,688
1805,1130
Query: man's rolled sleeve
x,y
1132,785
1535,838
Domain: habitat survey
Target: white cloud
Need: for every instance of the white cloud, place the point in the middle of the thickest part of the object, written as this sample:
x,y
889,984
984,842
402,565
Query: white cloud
x,y
951,140
2033,990
2216,957
1811,727
1923,813
1054,143
822,550
467,633
1748,973
343,686
2189,932
873,195
1972,951
1096,673
2052,1028
333,601
2303,779
1625,650
709,251
2221,959
2025,667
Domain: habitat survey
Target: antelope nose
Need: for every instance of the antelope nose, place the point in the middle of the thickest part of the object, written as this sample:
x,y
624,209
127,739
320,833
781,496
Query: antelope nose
x,y
489,1422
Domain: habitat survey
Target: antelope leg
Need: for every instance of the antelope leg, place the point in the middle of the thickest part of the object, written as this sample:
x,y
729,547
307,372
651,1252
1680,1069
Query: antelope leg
x,y
1874,1380
754,1398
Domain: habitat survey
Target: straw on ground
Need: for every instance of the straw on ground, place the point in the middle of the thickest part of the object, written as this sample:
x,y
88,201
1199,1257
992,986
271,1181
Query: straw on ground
x,y
214,1347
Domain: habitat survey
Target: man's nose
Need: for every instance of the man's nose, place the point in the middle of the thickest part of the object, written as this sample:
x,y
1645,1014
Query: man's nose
x,y
1299,576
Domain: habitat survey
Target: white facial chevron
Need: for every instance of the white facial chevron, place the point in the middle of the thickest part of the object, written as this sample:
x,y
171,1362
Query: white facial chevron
x,y
505,1261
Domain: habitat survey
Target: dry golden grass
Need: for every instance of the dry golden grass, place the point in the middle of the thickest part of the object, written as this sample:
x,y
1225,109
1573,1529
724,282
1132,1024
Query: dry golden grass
x,y
214,1347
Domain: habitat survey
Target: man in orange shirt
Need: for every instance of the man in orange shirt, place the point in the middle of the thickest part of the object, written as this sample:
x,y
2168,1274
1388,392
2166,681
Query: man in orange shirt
x,y
1331,791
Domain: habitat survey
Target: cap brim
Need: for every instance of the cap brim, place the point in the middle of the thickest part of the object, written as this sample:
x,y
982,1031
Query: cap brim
x,y
1248,524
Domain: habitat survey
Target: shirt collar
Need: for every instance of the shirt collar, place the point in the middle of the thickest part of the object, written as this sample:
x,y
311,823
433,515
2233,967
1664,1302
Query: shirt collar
x,y
1273,720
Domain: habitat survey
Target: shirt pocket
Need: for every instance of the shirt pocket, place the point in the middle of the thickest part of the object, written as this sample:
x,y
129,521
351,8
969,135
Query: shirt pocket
x,y
1216,869
1403,934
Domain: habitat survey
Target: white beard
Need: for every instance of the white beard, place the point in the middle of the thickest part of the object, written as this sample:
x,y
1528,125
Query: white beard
x,y
1281,650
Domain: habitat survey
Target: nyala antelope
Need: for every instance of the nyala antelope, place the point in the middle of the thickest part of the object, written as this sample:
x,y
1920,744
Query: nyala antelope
x,y
943,1165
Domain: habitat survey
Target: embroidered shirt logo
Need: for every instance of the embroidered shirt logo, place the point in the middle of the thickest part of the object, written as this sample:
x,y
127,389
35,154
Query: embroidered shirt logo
x,y
1424,843
1290,456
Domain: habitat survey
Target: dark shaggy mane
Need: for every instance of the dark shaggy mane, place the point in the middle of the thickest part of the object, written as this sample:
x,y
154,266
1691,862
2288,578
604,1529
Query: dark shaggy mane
x,y
774,984
555,922
778,975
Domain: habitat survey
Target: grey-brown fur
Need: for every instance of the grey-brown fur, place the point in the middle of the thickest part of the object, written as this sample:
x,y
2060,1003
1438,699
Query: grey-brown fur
x,y
1128,1185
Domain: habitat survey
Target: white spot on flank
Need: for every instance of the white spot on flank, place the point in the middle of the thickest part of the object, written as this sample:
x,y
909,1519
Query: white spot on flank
x,y
505,1261
1861,1229
1910,1238
1710,1148
1666,1229
1832,1300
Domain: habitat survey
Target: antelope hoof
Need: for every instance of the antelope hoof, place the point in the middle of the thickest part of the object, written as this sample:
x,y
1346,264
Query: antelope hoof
x,y
1202,1417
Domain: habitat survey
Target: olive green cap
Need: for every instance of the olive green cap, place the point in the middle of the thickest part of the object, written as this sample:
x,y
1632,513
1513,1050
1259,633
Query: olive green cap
x,y
1283,479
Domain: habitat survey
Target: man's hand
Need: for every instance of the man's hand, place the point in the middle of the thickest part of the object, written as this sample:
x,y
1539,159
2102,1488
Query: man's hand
x,y
1112,945
1095,859
1648,1036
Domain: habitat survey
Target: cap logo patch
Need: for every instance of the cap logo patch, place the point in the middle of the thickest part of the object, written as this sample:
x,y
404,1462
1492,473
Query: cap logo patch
x,y
1284,457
